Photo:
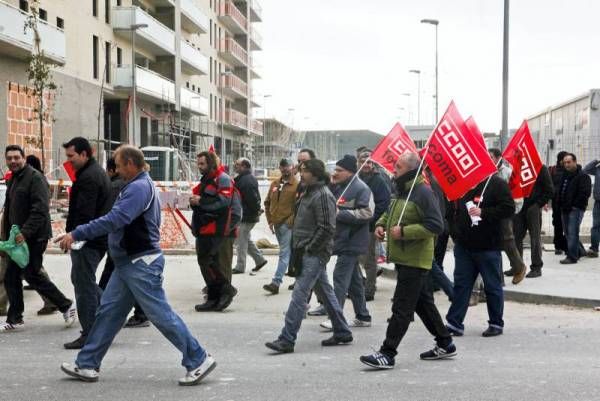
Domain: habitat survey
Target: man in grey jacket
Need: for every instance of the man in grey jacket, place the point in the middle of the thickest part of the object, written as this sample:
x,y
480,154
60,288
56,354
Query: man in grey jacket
x,y
354,214
312,243
593,169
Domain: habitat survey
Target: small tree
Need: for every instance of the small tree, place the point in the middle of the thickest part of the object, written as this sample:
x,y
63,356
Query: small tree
x,y
39,74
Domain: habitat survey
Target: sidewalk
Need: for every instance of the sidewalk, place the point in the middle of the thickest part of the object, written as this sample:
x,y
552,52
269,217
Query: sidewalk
x,y
569,285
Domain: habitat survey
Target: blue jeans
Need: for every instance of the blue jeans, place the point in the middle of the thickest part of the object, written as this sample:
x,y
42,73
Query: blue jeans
x,y
84,264
348,280
283,232
313,276
468,264
571,224
139,282
596,225
439,279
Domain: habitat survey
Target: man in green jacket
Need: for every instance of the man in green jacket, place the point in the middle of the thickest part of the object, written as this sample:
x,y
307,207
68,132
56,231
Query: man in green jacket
x,y
410,248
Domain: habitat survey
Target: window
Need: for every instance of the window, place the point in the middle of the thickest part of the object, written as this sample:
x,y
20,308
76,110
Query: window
x,y
107,61
118,2
211,107
211,70
119,56
187,85
193,87
144,131
95,8
60,23
95,56
107,11
24,5
43,14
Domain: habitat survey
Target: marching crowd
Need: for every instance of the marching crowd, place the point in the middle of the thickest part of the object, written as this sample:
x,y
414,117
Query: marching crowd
x,y
314,215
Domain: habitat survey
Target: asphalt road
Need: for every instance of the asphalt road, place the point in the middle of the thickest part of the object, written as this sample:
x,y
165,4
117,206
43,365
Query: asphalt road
x,y
547,353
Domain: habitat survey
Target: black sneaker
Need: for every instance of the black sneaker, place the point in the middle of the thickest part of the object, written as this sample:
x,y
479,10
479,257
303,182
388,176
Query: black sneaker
x,y
333,340
492,332
259,266
534,274
378,360
568,261
592,254
439,353
280,346
509,273
291,287
226,298
76,344
136,321
207,306
272,288
453,332
369,298
47,310
558,252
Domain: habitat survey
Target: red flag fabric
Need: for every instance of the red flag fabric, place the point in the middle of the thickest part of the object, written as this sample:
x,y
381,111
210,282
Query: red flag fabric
x,y
472,126
396,142
8,175
525,160
456,157
211,148
70,170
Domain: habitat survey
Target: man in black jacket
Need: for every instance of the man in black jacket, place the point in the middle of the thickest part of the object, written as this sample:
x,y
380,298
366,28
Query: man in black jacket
x,y
573,194
27,206
556,172
477,235
90,198
247,186
529,219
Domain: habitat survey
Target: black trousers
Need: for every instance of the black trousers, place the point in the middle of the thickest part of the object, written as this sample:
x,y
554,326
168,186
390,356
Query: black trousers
x,y
439,251
413,294
560,241
208,253
530,220
40,282
109,267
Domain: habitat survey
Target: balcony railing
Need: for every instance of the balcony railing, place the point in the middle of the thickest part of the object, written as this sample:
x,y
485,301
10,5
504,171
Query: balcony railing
x,y
234,86
17,42
148,83
257,127
255,40
156,37
255,11
233,52
193,18
194,62
236,119
194,102
232,17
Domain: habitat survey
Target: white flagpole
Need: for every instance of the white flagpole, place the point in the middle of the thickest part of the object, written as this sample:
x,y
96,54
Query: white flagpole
x,y
351,180
486,183
413,185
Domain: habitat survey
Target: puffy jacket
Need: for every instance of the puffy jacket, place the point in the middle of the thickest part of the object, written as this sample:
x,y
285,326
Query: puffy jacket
x,y
593,169
90,198
354,214
382,194
27,205
575,190
314,225
212,216
497,204
247,186
421,223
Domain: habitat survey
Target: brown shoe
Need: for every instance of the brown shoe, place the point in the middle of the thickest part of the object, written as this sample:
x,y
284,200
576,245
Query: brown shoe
x,y
519,276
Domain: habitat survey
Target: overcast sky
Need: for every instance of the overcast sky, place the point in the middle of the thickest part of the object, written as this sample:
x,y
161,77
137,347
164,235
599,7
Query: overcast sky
x,y
343,64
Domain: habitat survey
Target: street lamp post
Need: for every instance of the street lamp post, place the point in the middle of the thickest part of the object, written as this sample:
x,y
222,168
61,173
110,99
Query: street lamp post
x,y
265,97
418,72
222,105
504,133
132,137
435,23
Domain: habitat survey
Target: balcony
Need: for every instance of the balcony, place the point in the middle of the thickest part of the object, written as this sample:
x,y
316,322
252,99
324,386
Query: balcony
x,y
233,53
193,18
255,40
234,87
14,42
236,120
232,18
254,73
156,38
193,62
255,11
194,102
149,85
257,127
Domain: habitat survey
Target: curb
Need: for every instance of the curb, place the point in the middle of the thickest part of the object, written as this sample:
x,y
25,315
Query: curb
x,y
175,252
530,298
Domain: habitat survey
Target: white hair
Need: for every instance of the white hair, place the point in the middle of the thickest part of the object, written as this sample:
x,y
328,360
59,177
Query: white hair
x,y
410,159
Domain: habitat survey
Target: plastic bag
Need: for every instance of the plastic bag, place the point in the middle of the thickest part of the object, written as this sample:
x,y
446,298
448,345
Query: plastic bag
x,y
19,253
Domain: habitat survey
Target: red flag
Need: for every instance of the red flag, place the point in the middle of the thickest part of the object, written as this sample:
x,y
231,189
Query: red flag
x,y
525,160
8,175
470,123
211,148
70,170
456,157
396,142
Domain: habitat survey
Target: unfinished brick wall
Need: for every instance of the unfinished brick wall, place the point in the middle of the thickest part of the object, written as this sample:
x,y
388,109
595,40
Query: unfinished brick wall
x,y
23,123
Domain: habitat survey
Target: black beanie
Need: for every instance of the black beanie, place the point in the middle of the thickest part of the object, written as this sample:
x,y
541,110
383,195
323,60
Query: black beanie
x,y
348,162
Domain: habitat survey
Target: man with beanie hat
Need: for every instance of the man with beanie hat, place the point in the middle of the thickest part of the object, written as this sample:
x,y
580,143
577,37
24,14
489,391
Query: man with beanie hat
x,y
354,214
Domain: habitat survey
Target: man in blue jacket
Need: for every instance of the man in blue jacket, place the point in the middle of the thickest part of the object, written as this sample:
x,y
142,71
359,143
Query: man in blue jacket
x,y
133,228
593,169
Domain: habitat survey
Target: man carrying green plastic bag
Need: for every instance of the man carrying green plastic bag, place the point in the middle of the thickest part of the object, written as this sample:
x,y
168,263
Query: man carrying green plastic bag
x,y
19,253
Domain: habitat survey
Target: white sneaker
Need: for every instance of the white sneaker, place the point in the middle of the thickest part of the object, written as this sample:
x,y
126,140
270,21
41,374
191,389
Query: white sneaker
x,y
327,325
86,375
194,376
318,310
70,315
11,327
359,323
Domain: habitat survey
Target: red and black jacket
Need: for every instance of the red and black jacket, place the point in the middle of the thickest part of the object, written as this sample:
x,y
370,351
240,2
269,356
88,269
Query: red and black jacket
x,y
212,216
